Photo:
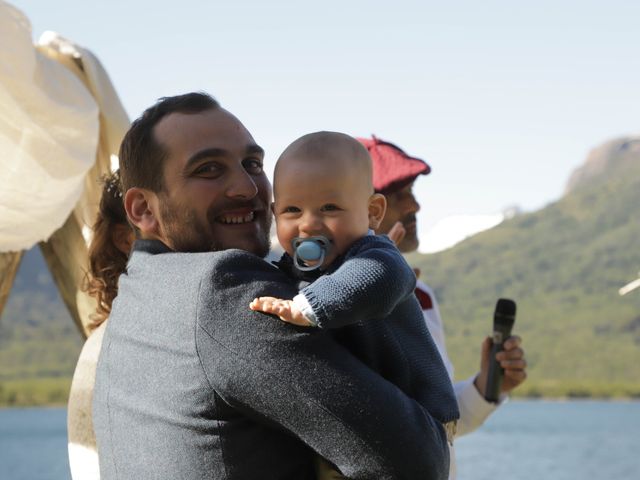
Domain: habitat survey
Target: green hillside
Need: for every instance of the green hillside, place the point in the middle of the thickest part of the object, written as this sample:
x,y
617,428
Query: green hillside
x,y
39,343
563,265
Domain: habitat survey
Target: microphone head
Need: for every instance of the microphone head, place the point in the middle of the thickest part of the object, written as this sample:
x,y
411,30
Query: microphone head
x,y
506,306
505,314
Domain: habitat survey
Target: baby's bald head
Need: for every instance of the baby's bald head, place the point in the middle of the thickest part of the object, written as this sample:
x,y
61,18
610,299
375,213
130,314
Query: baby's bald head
x,y
322,187
333,152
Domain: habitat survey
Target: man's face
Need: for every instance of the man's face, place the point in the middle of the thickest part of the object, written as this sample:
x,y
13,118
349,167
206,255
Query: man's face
x,y
402,206
216,193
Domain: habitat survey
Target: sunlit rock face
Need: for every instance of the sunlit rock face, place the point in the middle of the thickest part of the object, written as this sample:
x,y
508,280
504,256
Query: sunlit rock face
x,y
604,161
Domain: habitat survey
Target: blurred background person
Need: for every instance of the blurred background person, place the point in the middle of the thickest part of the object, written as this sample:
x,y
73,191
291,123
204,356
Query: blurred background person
x,y
394,173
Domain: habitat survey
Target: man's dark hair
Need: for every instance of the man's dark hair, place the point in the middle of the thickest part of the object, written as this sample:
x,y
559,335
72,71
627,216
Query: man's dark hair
x,y
141,155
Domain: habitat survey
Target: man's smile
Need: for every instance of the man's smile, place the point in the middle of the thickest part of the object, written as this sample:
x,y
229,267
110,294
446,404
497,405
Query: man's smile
x,y
233,218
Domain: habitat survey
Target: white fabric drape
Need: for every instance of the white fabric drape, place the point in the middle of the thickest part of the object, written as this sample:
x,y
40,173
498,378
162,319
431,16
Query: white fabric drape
x,y
49,131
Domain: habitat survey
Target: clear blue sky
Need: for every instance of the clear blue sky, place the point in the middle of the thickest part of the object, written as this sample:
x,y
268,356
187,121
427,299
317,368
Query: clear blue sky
x,y
504,99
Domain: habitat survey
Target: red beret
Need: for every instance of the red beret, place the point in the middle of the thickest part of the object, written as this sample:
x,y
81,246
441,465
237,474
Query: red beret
x,y
393,169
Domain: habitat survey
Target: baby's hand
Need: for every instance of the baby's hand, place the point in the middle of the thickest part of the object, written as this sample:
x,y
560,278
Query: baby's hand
x,y
285,309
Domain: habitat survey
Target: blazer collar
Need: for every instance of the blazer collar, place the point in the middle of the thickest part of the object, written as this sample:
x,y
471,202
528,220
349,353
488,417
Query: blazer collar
x,y
152,247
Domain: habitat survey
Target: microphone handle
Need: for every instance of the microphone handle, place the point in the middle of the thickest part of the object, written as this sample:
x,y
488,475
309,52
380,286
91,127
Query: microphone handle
x,y
496,372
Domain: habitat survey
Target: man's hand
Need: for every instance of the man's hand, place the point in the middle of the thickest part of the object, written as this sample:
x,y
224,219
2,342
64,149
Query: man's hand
x,y
397,233
511,359
285,309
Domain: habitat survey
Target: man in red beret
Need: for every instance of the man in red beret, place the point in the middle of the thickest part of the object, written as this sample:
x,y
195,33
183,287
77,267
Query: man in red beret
x,y
394,173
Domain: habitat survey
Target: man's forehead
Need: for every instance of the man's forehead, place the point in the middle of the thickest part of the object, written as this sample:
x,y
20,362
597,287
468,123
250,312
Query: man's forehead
x,y
180,132
408,188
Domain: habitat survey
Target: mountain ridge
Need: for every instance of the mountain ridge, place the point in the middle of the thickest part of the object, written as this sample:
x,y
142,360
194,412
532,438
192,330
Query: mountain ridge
x,y
564,265
604,160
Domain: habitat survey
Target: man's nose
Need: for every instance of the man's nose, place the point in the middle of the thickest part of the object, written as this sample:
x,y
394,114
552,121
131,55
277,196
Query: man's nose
x,y
241,185
412,204
417,205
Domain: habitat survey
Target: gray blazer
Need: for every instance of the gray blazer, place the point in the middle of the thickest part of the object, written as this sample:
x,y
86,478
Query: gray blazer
x,y
191,384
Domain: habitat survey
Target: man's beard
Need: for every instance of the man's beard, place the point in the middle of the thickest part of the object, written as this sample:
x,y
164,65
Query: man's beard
x,y
410,241
186,233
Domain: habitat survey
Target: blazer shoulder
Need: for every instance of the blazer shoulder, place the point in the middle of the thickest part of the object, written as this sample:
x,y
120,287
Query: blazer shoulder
x,y
235,275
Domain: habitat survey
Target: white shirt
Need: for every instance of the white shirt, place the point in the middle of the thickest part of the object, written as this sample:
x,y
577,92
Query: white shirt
x,y
474,409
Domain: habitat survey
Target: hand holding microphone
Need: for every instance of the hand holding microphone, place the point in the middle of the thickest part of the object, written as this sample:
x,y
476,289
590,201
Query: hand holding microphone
x,y
503,365
503,320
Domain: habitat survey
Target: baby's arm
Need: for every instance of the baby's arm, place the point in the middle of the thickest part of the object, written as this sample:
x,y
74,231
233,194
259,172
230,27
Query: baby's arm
x,y
373,279
369,285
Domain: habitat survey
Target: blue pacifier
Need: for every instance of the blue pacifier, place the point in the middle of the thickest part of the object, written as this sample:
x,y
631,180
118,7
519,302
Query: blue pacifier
x,y
309,249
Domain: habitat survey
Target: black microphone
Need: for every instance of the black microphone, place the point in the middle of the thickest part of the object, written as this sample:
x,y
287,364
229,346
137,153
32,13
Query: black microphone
x,y
503,320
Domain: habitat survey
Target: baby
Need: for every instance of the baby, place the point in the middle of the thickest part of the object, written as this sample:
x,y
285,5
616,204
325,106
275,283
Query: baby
x,y
352,282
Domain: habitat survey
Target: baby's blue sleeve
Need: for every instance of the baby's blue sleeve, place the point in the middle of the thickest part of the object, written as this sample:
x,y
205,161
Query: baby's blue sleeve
x,y
371,282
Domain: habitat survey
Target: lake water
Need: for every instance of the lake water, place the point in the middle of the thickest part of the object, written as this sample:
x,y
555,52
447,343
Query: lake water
x,y
542,440
525,440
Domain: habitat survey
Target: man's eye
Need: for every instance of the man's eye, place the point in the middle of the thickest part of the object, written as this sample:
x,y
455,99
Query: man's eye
x,y
252,165
402,196
330,207
208,169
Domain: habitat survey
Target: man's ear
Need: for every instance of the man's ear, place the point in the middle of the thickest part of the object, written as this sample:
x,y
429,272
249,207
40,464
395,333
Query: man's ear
x,y
141,206
377,209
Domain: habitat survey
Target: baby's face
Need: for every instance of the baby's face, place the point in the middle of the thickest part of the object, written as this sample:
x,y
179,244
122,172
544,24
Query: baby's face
x,y
318,198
